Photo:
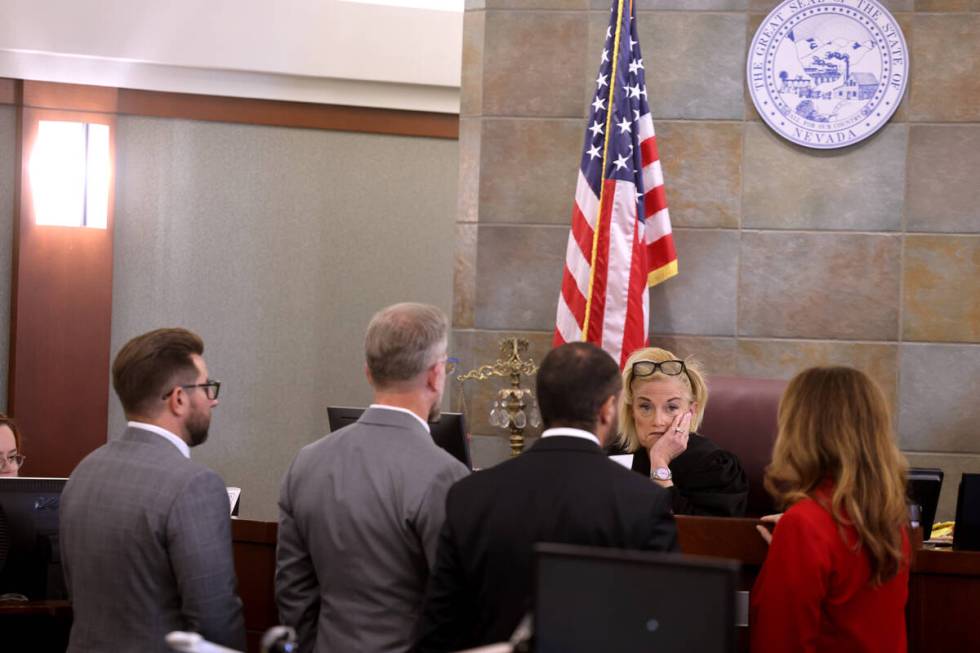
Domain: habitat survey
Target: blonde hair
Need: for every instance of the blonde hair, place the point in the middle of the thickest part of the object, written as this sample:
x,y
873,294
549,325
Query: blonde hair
x,y
834,423
693,380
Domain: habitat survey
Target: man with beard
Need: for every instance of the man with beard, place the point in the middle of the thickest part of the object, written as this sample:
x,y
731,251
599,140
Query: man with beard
x,y
145,531
361,508
564,489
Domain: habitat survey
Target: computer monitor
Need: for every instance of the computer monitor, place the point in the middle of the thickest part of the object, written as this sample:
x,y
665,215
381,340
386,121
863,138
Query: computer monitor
x,y
966,533
449,431
30,557
594,599
923,486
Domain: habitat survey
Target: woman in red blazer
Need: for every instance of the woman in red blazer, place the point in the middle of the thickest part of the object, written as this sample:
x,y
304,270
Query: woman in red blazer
x,y
836,576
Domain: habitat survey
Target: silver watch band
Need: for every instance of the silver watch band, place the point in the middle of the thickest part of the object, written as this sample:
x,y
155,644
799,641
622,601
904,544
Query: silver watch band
x,y
661,474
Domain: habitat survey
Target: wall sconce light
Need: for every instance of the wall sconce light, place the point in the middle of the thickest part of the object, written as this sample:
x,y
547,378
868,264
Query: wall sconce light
x,y
70,173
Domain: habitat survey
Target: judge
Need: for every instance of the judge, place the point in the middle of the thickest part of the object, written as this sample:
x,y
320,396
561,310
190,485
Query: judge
x,y
662,405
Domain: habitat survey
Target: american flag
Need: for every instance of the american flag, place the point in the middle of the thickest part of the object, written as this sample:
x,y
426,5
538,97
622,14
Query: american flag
x,y
620,241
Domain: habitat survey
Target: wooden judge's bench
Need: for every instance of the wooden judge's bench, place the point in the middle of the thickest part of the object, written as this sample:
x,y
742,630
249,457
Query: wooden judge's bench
x,y
944,590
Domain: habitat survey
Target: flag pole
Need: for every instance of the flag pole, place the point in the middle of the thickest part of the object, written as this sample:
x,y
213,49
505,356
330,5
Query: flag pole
x,y
602,176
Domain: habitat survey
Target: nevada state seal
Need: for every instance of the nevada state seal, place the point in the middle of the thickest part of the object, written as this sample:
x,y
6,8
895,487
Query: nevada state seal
x,y
827,73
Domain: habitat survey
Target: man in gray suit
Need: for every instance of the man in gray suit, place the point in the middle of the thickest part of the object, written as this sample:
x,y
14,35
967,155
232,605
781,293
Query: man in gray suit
x,y
145,531
360,509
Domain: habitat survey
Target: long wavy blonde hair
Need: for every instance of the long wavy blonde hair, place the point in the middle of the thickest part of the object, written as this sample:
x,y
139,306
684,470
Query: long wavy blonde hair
x,y
692,380
834,423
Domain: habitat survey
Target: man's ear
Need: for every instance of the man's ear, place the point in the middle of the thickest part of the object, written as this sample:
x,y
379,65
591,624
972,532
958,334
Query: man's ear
x,y
608,410
177,402
432,377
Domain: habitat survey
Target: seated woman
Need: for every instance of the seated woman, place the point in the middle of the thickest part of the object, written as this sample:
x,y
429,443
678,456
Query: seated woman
x,y
10,457
661,406
837,574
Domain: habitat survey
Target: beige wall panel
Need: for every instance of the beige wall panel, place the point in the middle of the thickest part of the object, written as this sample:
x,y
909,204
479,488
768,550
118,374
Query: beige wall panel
x,y
702,165
892,5
942,5
691,69
471,75
944,165
783,359
751,26
693,5
942,289
856,188
464,276
470,145
943,87
531,4
716,354
276,245
518,276
938,403
702,298
806,285
528,169
526,72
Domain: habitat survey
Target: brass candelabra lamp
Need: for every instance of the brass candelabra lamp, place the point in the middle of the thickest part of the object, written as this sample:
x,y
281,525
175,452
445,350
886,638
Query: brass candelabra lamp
x,y
515,407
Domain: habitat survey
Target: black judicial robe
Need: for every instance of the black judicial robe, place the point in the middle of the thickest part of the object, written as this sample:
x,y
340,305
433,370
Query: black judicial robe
x,y
707,479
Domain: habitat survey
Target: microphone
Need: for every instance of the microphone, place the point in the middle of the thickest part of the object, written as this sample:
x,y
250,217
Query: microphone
x,y
194,643
279,639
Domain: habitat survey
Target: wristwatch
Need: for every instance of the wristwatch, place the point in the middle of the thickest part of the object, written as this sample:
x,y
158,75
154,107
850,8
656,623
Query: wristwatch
x,y
661,474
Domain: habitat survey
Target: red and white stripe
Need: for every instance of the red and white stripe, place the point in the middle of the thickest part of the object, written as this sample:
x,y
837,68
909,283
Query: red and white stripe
x,y
627,256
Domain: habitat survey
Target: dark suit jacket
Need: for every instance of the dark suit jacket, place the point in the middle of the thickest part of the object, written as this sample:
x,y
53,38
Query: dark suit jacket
x,y
146,548
564,489
707,479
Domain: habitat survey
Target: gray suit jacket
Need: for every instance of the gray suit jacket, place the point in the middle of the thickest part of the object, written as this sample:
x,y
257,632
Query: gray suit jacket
x,y
146,548
359,518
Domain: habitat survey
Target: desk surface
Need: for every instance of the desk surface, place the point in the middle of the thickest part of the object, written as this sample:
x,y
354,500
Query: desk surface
x,y
943,591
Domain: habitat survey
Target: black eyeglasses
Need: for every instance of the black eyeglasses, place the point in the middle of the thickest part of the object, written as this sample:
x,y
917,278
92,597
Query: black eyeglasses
x,y
648,368
211,388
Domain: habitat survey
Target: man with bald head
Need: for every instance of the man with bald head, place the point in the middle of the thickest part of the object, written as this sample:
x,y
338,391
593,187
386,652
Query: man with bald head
x,y
360,509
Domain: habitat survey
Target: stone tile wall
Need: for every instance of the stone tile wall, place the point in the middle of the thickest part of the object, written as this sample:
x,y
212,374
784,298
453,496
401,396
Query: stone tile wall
x,y
868,256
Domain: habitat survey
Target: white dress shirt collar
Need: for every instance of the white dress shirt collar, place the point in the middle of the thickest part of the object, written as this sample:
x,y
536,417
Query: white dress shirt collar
x,y
164,433
575,433
403,410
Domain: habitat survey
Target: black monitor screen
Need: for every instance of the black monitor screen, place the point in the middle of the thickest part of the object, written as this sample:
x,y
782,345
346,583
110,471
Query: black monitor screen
x,y
966,535
449,431
591,599
924,485
30,559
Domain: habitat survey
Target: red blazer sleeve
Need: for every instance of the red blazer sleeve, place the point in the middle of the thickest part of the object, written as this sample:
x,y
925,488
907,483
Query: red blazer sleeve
x,y
786,598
